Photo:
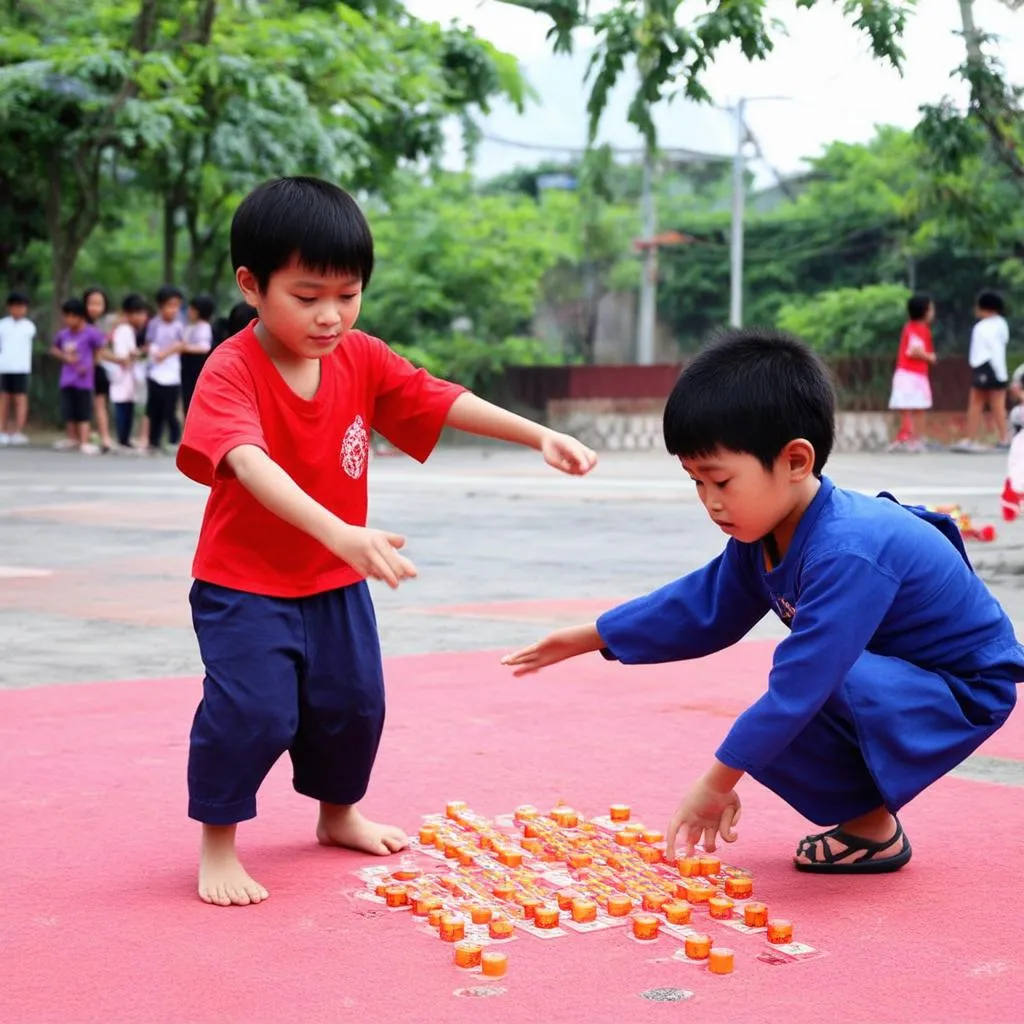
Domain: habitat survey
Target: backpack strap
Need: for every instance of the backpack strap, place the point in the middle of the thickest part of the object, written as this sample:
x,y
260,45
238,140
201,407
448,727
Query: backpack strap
x,y
942,522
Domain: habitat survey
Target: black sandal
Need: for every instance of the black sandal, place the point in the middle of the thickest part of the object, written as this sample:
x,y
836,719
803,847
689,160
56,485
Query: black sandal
x,y
838,864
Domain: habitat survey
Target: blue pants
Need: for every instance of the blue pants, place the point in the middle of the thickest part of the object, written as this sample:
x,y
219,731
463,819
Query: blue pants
x,y
301,675
889,732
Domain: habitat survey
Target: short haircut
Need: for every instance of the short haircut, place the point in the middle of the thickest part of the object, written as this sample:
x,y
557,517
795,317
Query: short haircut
x,y
310,221
74,307
96,290
917,305
990,301
134,303
168,292
753,391
17,299
203,305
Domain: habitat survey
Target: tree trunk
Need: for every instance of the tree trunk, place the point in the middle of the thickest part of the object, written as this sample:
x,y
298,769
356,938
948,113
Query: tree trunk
x,y
170,240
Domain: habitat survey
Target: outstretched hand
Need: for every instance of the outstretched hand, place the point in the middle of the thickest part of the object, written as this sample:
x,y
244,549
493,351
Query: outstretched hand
x,y
567,454
704,813
558,646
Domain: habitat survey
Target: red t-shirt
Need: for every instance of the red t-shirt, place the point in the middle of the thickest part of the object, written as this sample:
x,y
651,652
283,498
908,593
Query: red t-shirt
x,y
323,444
923,333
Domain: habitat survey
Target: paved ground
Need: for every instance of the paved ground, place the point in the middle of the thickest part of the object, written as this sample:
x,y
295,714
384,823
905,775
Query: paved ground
x,y
94,564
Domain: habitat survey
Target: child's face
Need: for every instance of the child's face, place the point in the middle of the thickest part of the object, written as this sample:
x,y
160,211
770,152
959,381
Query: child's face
x,y
743,499
929,313
305,311
193,314
18,310
170,310
95,305
137,318
73,322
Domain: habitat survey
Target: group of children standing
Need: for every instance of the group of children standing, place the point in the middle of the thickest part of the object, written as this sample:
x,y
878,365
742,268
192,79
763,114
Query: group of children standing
x,y
113,363
911,385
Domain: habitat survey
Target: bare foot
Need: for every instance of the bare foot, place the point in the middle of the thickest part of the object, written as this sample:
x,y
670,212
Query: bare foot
x,y
342,825
876,827
222,879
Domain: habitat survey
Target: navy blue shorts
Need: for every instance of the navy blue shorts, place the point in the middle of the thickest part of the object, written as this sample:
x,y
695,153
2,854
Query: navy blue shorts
x,y
301,675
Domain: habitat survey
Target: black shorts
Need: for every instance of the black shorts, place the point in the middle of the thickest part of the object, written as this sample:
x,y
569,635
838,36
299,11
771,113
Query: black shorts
x,y
14,383
75,405
983,378
101,382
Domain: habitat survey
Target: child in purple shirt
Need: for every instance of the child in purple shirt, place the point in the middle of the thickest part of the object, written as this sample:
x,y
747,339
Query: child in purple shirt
x,y
76,347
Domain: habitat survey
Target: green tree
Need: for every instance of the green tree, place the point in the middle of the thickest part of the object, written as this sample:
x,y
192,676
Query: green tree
x,y
672,55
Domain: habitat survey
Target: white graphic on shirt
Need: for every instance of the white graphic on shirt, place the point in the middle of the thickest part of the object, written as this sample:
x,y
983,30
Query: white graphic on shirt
x,y
355,448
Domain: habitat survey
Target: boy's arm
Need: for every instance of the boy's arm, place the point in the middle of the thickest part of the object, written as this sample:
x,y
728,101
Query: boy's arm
x,y
372,553
474,415
703,612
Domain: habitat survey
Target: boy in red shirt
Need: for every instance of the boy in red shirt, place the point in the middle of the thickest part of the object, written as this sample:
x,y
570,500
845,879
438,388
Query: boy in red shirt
x,y
911,388
279,429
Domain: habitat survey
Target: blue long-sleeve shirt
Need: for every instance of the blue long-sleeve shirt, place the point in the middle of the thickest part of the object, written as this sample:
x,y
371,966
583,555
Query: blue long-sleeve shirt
x,y
861,574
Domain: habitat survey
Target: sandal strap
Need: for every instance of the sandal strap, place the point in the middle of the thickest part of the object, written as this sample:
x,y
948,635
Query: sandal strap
x,y
810,845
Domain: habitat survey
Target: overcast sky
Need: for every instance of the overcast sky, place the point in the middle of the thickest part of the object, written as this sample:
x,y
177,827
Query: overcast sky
x,y
834,89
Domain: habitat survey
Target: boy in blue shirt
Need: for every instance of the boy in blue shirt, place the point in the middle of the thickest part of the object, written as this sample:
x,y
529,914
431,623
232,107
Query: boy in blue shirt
x,y
899,662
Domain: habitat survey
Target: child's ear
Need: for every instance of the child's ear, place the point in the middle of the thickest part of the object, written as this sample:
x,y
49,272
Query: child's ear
x,y
799,455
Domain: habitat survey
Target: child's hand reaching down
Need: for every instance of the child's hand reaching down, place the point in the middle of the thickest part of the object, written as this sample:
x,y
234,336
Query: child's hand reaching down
x,y
567,454
562,644
374,553
703,812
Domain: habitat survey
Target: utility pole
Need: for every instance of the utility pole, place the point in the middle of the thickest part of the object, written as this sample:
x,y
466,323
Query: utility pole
x,y
648,286
739,202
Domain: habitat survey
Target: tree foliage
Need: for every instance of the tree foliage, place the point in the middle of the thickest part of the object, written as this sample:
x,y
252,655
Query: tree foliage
x,y
673,54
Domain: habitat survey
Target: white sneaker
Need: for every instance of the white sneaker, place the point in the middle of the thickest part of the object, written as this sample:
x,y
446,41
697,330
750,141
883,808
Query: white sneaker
x,y
90,449
18,439
4,440
65,444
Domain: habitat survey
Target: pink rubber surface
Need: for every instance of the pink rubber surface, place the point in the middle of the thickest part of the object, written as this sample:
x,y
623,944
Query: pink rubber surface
x,y
99,921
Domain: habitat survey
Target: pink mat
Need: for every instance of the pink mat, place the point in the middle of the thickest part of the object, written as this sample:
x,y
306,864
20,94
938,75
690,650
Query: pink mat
x,y
99,923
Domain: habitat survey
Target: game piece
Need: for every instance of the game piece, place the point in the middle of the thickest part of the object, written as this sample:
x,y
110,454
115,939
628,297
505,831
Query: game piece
x,y
755,915
652,836
645,927
424,904
619,905
468,954
500,928
677,912
697,946
739,887
396,896
625,838
780,932
584,911
565,898
454,808
493,965
510,858
546,917
699,892
480,915
525,812
382,889
689,867
710,865
720,907
619,812
434,917
720,961
427,835
565,817
654,901
504,890
579,860
453,928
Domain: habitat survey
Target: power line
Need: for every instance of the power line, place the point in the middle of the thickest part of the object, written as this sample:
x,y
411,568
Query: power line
x,y
693,154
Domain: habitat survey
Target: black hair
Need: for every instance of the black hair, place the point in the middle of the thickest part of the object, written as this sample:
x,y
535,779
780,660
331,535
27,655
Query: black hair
x,y
304,219
74,307
990,302
168,292
134,303
203,305
18,299
917,305
95,290
751,390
